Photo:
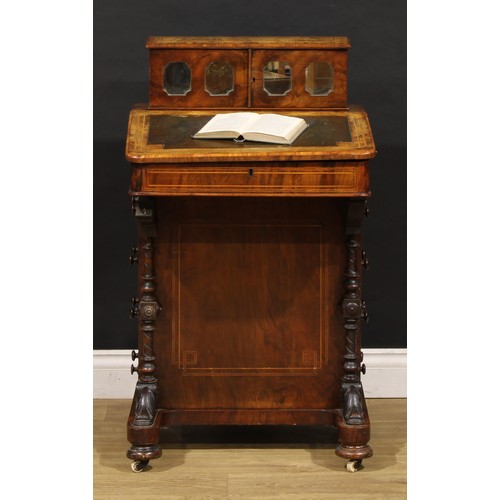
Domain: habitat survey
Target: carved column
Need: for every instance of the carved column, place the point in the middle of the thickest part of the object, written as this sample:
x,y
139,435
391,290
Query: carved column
x,y
352,308
353,424
146,308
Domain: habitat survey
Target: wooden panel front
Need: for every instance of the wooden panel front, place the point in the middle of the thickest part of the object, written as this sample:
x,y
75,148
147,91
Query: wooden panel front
x,y
298,97
197,60
253,179
250,292
256,313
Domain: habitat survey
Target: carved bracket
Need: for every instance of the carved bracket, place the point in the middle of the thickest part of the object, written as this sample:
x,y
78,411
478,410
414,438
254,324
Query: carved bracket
x,y
143,211
356,210
353,404
144,404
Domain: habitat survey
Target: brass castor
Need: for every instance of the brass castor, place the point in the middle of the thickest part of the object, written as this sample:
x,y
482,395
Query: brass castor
x,y
354,465
139,465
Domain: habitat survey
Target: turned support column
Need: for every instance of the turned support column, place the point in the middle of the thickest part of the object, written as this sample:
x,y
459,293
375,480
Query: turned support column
x,y
143,433
352,308
354,427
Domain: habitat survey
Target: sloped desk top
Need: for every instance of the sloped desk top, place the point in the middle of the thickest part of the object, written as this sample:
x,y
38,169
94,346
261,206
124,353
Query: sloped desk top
x,y
164,136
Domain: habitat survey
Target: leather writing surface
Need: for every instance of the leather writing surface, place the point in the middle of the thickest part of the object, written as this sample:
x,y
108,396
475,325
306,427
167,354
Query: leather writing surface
x,y
159,136
176,131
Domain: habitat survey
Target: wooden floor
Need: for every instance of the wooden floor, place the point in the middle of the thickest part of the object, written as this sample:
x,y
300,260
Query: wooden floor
x,y
250,463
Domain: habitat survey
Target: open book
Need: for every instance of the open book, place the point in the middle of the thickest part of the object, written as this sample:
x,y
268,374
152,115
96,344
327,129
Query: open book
x,y
245,126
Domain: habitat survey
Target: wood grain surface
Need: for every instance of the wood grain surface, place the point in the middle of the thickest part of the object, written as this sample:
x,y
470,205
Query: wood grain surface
x,y
198,61
247,57
252,179
274,42
299,60
260,336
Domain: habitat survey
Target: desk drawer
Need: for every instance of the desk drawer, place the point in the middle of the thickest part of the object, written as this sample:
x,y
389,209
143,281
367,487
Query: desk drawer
x,y
252,179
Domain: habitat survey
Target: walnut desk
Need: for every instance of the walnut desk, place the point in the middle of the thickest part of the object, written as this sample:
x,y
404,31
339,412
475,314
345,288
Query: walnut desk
x,y
249,254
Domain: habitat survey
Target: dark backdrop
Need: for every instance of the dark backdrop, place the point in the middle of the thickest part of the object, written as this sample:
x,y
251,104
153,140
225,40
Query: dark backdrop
x,y
376,80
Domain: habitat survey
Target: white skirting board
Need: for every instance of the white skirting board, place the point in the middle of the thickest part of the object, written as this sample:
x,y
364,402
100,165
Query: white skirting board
x,y
385,374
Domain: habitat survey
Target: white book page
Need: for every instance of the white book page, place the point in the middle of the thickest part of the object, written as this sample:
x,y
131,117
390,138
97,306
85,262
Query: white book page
x,y
271,124
229,122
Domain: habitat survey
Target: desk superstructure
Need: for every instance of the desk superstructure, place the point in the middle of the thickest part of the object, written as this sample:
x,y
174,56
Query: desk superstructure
x,y
249,254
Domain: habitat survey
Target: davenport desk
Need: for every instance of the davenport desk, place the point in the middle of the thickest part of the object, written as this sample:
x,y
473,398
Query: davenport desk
x,y
249,254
